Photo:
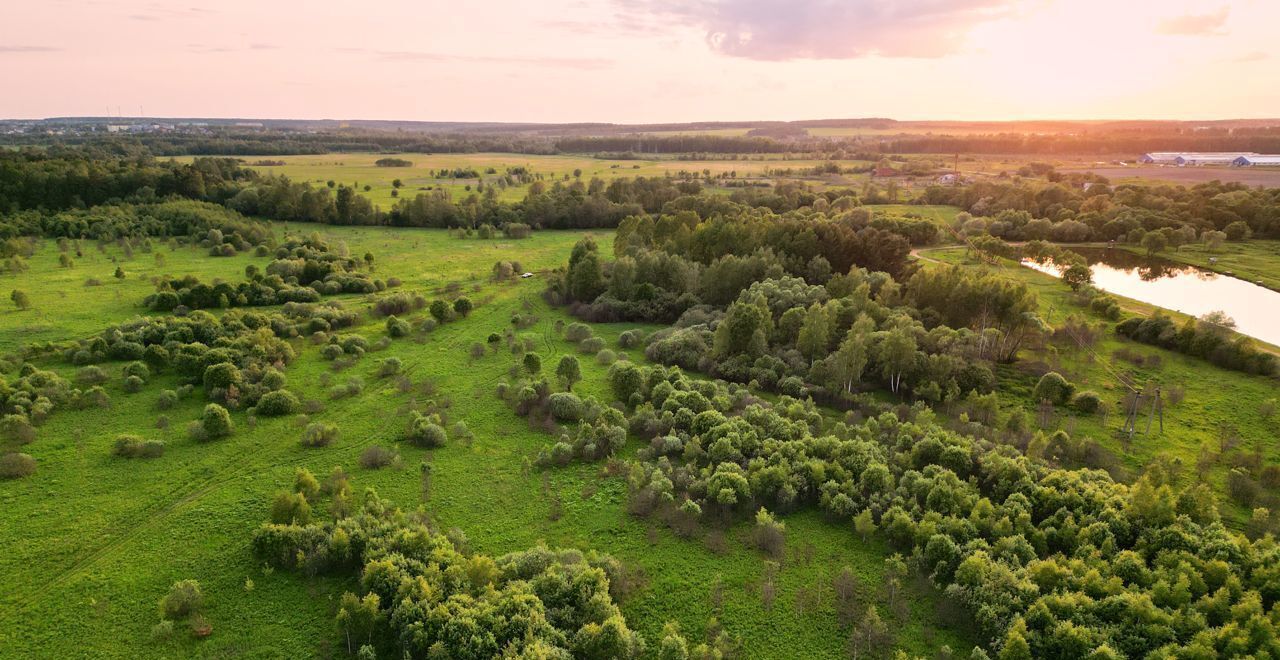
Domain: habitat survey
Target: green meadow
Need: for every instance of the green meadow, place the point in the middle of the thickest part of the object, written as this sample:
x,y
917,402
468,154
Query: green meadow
x,y
94,541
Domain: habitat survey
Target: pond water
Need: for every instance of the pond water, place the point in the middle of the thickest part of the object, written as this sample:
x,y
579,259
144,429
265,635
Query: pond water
x,y
1183,288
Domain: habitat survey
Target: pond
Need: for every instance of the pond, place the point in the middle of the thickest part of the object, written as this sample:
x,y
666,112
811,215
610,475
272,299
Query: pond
x,y
1187,289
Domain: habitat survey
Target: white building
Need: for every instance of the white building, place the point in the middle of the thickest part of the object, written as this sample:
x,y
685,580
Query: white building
x,y
1192,157
1263,160
1224,158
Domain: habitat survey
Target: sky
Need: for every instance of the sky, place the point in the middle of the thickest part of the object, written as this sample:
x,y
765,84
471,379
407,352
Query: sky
x,y
642,61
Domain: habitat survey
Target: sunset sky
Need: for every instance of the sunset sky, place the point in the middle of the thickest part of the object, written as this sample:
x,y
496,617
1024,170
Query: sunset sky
x,y
642,60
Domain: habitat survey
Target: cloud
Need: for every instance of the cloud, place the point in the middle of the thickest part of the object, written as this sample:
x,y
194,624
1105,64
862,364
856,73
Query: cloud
x,y
1255,56
419,56
28,49
824,29
1195,24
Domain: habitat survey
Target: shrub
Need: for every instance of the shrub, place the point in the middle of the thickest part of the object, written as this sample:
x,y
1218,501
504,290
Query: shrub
x,y
389,367
92,375
376,457
398,327
331,352
133,384
352,387
183,600
591,345
425,432
1087,401
167,400
1053,388
214,423
132,446
319,434
439,310
277,403
576,332
606,357
138,369
565,406
631,339
15,465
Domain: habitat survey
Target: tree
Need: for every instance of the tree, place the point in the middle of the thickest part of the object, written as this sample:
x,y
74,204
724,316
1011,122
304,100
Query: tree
x,y
1077,275
532,363
870,635
358,617
20,299
864,524
812,339
569,372
1154,242
896,354
462,306
851,358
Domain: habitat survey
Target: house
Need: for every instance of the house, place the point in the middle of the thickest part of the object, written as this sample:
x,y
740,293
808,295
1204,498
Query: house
x,y
1261,160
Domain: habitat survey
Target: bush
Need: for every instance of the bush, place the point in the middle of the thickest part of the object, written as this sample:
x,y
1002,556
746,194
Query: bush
x,y
15,465
376,457
319,434
92,375
133,384
425,432
591,345
352,387
1087,401
277,403
1053,388
606,357
576,332
132,446
398,327
631,339
167,400
183,600
565,406
138,369
214,423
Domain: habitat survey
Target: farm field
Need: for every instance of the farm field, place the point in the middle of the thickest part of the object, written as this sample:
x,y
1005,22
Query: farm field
x,y
111,534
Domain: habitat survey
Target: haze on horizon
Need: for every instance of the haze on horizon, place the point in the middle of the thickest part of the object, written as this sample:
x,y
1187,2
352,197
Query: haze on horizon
x,y
642,61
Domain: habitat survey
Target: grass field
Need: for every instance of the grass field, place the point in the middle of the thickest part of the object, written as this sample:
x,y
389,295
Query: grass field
x,y
359,170
1215,398
1255,261
94,541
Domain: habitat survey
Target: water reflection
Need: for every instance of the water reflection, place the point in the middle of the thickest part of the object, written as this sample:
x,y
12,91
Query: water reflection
x,y
1182,288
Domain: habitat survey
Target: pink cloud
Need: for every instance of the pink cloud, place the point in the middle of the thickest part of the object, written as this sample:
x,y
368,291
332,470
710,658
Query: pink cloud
x,y
1195,24
827,29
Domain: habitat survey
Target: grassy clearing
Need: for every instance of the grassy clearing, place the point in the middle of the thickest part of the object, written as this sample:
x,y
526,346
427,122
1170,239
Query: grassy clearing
x,y
64,307
1252,261
94,541
358,170
1215,398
